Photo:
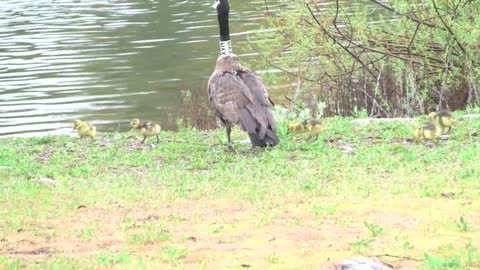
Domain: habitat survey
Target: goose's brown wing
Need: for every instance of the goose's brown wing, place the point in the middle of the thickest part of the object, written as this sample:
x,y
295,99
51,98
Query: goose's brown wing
x,y
260,96
228,94
256,86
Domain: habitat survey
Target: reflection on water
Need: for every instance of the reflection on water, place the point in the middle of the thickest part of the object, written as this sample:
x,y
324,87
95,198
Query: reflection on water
x,y
106,61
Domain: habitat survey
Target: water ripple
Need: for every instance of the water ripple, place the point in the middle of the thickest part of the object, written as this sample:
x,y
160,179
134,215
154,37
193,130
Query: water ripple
x,y
106,61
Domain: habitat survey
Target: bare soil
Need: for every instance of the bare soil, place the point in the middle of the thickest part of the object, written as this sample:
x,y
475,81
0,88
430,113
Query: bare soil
x,y
226,233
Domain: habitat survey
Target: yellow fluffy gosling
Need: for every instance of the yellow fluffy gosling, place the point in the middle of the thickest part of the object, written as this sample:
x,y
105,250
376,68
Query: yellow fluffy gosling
x,y
428,131
312,127
443,118
84,129
148,129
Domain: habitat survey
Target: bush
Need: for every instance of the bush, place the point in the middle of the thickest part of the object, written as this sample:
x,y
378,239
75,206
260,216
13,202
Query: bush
x,y
391,58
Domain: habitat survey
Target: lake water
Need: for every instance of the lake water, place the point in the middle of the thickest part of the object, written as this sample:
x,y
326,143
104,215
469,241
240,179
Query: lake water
x,y
107,61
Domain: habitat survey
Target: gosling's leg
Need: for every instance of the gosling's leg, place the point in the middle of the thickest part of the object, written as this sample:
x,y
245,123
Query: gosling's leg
x,y
144,138
158,139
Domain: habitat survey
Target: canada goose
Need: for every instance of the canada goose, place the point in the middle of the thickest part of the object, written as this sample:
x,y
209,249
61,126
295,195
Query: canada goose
x,y
148,129
237,94
84,129
312,127
444,118
428,131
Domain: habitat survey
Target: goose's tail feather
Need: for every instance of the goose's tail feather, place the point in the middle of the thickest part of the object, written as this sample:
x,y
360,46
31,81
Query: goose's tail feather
x,y
259,125
270,139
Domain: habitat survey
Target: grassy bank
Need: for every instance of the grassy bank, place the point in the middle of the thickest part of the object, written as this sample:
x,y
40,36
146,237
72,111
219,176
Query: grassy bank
x,y
188,203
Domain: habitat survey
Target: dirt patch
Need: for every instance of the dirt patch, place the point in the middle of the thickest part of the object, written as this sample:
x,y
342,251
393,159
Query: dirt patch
x,y
134,143
26,247
42,251
44,156
225,233
139,171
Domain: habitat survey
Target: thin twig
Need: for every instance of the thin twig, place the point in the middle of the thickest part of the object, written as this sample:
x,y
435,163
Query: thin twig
x,y
397,256
412,39
280,68
448,27
400,14
339,44
299,85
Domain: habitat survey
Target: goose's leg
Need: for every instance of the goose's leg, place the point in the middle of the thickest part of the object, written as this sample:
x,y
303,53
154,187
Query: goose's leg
x,y
229,131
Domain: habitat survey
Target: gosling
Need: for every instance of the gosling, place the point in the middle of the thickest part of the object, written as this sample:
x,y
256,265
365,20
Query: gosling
x,y
148,129
443,118
312,127
84,129
429,131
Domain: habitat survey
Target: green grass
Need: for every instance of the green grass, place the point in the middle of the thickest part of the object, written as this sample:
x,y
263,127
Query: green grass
x,y
190,203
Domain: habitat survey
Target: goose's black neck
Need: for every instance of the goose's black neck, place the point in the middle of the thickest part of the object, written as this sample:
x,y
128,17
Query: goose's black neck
x,y
223,9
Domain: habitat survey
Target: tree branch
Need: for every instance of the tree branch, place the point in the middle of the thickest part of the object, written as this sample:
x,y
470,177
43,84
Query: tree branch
x,y
448,27
413,38
400,14
339,44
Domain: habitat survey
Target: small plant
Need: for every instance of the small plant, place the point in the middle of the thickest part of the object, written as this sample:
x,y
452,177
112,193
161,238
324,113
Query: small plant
x,y
272,259
87,233
15,222
462,225
359,113
175,218
408,245
319,211
10,264
174,253
374,229
473,109
344,221
150,237
472,255
362,246
440,263
150,233
320,109
128,223
196,112
113,258
44,140
216,229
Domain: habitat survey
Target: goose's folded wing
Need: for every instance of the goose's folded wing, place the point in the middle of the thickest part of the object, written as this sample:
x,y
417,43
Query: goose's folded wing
x,y
228,94
260,100
256,87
